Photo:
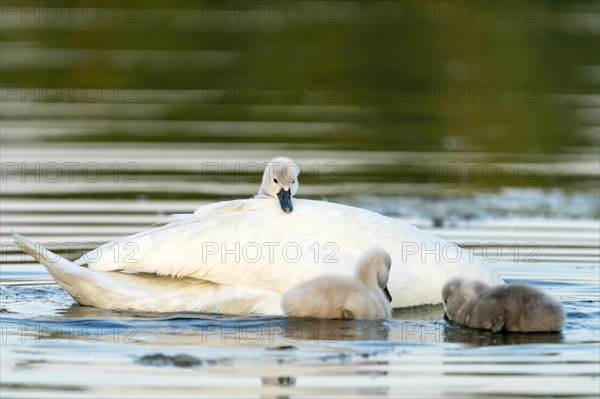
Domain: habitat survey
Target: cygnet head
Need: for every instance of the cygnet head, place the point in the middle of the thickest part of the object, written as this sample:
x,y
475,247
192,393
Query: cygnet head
x,y
373,267
280,181
456,292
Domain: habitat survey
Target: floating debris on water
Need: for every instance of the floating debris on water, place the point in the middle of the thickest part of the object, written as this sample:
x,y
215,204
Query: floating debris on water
x,y
162,360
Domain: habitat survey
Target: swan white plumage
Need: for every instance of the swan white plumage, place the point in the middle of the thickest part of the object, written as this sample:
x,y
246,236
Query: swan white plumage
x,y
253,248
363,296
149,292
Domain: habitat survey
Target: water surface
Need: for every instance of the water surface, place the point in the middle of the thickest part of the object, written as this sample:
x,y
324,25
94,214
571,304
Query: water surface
x,y
48,339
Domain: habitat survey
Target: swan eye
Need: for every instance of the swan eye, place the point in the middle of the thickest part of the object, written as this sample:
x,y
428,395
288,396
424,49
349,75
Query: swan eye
x,y
275,180
294,182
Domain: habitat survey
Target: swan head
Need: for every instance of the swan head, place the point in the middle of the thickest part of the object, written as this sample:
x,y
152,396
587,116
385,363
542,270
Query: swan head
x,y
280,181
456,292
373,267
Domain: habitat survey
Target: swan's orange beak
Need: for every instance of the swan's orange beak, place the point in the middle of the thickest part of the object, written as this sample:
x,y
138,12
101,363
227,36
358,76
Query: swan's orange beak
x,y
285,200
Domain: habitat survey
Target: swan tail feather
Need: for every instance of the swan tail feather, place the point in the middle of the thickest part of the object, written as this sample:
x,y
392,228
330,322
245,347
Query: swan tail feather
x,y
71,277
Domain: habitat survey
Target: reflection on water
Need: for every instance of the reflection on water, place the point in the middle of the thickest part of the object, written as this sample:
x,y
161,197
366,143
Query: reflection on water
x,y
47,311
343,75
47,339
460,334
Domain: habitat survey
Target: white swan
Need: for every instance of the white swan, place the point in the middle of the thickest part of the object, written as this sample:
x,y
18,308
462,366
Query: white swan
x,y
363,297
511,307
149,292
253,248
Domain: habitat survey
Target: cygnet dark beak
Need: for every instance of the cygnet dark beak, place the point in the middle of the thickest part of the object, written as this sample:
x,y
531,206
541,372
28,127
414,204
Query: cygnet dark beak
x,y
387,294
285,200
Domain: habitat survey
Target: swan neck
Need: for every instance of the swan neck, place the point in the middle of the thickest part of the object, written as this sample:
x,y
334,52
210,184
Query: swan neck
x,y
366,275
